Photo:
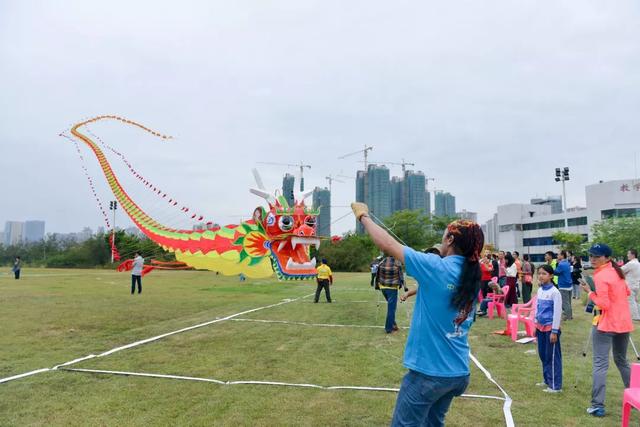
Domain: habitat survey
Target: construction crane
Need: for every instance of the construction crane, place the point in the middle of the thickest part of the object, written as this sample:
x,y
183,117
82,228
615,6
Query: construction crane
x,y
403,164
331,179
301,166
364,151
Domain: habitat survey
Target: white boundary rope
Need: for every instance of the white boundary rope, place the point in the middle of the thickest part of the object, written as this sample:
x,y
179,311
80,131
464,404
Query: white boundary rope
x,y
148,340
323,325
506,408
254,382
507,399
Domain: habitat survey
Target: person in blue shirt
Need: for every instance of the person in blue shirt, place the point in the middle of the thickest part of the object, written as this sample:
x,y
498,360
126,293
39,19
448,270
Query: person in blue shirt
x,y
565,284
437,350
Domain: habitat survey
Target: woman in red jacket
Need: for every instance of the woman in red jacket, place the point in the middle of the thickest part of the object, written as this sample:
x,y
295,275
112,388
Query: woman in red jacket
x,y
612,327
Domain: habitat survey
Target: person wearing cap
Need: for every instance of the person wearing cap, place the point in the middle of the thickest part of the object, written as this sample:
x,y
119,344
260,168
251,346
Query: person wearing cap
x,y
611,329
324,279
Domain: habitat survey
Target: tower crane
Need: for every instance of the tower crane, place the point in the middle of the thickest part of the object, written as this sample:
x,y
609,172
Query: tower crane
x,y
330,178
403,164
300,165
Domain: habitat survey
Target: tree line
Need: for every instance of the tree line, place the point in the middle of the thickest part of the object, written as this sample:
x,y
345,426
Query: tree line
x,y
93,252
353,252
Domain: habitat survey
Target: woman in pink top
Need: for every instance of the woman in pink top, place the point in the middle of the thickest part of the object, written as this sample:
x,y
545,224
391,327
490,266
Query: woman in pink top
x,y
612,327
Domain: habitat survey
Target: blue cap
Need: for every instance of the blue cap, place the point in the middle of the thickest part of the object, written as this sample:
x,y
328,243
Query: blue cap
x,y
324,260
600,249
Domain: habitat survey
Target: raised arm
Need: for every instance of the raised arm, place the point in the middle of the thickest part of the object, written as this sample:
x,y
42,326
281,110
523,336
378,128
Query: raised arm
x,y
383,240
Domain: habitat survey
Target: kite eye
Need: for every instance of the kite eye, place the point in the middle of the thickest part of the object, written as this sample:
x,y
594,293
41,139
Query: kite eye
x,y
310,221
285,223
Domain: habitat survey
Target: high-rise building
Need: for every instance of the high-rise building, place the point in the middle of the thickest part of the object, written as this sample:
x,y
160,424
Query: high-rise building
x,y
427,202
322,201
413,191
13,232
554,201
288,183
465,214
397,188
445,204
33,231
378,191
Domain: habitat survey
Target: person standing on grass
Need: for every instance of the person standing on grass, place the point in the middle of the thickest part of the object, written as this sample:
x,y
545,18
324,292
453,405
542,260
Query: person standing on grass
x,y
527,279
502,268
516,260
612,327
487,270
632,274
136,272
437,349
374,271
548,317
511,272
390,278
550,258
576,275
17,266
565,284
324,279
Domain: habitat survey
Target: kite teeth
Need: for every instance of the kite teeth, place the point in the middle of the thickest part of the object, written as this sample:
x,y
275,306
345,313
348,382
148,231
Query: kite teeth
x,y
282,245
295,240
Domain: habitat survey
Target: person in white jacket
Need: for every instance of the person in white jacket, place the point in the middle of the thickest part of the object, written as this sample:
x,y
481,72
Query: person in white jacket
x,y
136,273
632,275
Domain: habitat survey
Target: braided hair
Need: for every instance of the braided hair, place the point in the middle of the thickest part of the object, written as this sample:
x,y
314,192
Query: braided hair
x,y
468,240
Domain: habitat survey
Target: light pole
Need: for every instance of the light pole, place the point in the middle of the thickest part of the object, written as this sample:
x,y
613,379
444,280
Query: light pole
x,y
563,175
113,205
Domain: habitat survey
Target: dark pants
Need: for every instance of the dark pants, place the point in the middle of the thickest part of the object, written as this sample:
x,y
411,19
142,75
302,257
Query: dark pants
x,y
136,279
323,284
424,400
373,279
391,295
16,273
551,358
526,291
484,287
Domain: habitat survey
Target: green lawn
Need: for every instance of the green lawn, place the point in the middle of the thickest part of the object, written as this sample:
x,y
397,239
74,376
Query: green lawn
x,y
53,316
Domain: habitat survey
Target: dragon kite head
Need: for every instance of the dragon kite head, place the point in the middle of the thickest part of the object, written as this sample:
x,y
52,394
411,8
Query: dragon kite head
x,y
290,233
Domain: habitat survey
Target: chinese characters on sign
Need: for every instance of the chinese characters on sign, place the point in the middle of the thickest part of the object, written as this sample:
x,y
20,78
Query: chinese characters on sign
x,y
628,187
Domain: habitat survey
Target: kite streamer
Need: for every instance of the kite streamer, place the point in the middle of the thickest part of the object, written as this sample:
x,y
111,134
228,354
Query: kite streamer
x,y
275,239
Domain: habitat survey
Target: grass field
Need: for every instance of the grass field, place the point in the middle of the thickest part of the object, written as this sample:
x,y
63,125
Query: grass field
x,y
53,316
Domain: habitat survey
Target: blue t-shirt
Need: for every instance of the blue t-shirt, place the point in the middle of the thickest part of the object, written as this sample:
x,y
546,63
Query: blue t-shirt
x,y
563,271
437,344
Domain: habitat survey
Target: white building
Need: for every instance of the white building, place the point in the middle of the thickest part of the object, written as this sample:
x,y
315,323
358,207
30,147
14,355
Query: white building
x,y
528,228
465,214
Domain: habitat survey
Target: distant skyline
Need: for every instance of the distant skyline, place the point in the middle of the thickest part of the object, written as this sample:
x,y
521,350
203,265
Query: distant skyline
x,y
488,98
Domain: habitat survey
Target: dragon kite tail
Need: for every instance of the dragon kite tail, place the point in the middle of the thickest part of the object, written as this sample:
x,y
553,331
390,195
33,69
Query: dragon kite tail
x,y
278,239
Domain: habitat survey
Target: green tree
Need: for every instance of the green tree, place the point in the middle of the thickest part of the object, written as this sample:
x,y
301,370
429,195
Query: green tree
x,y
621,234
353,253
569,241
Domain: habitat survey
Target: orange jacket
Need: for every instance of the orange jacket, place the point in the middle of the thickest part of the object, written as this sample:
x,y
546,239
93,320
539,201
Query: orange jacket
x,y
611,296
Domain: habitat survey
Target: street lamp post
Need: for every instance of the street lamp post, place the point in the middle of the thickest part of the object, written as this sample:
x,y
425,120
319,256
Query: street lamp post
x,y
563,175
113,205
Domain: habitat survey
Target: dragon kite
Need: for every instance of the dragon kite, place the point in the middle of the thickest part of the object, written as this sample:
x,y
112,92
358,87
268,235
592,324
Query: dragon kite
x,y
276,239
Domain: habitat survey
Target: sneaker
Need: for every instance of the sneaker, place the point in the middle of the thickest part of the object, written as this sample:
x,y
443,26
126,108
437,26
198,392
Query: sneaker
x,y
551,390
481,314
395,327
541,385
596,412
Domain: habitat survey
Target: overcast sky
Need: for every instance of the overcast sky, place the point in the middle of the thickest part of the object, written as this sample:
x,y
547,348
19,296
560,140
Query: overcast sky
x,y
485,97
